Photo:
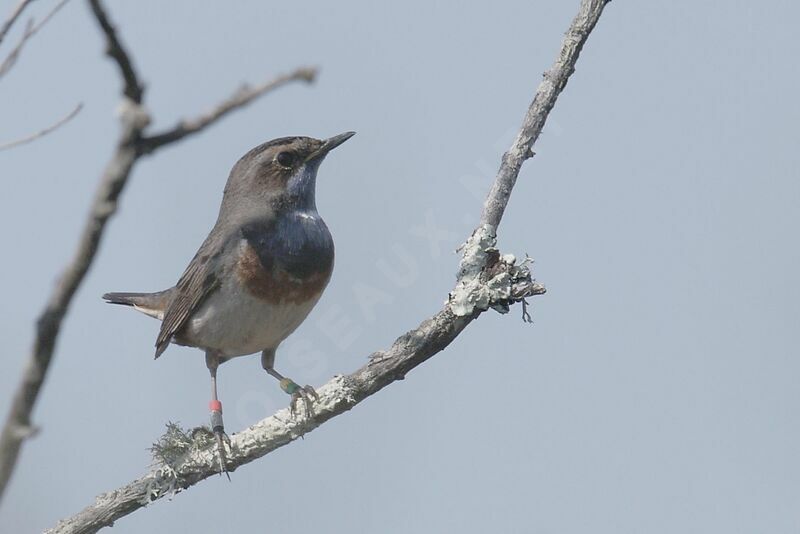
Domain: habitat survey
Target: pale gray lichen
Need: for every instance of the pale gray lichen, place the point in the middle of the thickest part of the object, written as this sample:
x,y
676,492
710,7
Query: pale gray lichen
x,y
133,113
173,449
487,279
513,284
162,483
470,293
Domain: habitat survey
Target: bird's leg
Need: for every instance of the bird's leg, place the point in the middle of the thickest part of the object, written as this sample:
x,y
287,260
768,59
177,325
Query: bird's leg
x,y
298,392
212,362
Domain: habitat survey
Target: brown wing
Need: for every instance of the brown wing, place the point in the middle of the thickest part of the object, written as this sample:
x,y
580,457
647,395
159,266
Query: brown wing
x,y
197,282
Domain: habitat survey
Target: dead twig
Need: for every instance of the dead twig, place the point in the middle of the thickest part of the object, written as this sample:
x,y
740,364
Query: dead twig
x,y
41,133
12,18
243,96
30,30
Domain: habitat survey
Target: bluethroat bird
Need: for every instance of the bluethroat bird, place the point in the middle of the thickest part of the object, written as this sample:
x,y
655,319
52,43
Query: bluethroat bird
x,y
259,272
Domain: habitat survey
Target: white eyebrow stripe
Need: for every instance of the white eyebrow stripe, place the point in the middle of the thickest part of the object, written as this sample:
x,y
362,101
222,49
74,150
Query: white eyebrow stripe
x,y
305,215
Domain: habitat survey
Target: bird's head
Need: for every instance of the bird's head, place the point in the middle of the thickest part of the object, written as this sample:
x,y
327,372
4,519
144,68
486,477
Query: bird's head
x,y
279,174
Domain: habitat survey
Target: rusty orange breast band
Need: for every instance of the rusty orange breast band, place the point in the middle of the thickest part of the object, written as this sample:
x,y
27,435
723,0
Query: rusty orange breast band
x,y
277,285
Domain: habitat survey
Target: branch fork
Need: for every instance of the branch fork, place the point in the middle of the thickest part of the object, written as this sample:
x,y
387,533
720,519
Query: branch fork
x,y
132,144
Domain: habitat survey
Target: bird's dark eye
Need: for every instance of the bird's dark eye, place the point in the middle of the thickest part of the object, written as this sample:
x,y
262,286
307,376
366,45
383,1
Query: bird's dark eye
x,y
285,159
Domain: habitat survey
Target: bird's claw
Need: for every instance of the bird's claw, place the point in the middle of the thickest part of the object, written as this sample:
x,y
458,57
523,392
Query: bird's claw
x,y
222,440
307,395
298,392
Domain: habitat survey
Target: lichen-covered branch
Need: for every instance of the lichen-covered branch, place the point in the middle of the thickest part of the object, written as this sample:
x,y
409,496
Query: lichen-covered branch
x,y
486,279
186,458
134,122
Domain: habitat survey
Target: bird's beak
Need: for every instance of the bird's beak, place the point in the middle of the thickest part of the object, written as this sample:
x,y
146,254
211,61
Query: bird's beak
x,y
330,144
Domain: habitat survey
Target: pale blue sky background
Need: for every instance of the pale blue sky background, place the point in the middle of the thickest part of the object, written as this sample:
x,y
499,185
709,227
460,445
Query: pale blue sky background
x,y
657,390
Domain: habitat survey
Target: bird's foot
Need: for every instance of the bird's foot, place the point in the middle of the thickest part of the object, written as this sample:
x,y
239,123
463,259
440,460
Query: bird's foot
x,y
222,438
298,393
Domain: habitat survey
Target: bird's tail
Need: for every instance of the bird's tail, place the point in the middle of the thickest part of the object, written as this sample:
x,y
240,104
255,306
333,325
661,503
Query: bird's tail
x,y
152,304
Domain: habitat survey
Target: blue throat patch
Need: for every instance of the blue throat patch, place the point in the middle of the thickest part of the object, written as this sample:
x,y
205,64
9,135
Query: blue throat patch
x,y
297,242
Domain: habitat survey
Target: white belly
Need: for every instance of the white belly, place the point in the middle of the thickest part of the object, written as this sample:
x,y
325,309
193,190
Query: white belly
x,y
236,323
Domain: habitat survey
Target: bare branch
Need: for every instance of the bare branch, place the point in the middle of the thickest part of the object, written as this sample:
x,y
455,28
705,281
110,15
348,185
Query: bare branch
x,y
18,423
12,18
30,31
243,96
499,280
133,89
45,131
551,86
134,120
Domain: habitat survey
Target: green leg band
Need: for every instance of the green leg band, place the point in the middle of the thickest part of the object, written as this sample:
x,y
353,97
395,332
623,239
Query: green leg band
x,y
289,386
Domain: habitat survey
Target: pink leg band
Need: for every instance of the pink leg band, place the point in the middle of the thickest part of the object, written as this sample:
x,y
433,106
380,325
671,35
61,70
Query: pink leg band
x,y
215,406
